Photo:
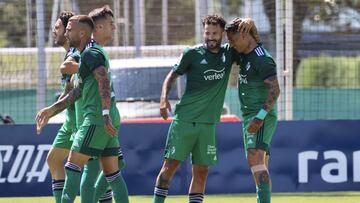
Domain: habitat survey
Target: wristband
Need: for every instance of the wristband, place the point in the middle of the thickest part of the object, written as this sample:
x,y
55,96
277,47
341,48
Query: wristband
x,y
105,112
261,114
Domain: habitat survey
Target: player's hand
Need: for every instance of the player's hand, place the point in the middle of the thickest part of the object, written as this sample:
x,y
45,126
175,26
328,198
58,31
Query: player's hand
x,y
109,128
245,24
164,107
255,125
42,118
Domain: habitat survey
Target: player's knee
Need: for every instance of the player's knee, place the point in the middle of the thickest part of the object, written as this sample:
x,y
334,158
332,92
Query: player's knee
x,y
53,160
200,172
255,157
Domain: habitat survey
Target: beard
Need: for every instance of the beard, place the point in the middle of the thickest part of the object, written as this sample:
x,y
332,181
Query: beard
x,y
74,43
213,44
60,41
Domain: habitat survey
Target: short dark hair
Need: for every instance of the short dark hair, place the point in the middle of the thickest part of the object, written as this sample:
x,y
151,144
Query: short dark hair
x,y
84,19
64,16
214,20
232,27
101,13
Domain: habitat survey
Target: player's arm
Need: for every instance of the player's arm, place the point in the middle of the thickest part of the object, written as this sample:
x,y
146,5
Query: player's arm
x,y
166,87
46,113
268,73
68,87
69,66
274,91
101,76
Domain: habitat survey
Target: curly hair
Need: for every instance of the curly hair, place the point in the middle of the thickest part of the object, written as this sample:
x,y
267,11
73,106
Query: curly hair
x,y
65,16
101,13
214,20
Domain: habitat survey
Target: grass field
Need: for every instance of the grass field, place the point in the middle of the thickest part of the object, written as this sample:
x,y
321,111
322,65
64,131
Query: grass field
x,y
326,197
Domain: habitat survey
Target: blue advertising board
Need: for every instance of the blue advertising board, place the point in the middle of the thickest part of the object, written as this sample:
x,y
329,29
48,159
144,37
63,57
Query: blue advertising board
x,y
305,156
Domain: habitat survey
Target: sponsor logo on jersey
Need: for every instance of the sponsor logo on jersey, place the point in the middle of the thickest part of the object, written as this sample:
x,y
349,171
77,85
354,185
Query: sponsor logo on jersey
x,y
243,79
213,74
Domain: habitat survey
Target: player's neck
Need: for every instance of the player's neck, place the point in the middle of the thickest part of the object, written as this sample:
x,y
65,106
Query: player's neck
x,y
100,41
83,44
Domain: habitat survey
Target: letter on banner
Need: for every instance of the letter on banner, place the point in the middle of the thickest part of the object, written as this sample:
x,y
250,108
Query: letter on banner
x,y
44,171
8,151
356,166
340,166
303,169
21,163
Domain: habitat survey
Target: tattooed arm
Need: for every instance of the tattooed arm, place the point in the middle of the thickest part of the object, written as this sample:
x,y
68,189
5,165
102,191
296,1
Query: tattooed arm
x,y
46,113
67,89
164,102
274,91
101,76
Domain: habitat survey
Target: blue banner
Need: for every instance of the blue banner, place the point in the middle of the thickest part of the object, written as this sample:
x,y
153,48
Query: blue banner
x,y
305,156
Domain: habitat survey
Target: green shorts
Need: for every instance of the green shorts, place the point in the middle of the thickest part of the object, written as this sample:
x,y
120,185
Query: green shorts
x,y
92,140
197,139
262,138
63,138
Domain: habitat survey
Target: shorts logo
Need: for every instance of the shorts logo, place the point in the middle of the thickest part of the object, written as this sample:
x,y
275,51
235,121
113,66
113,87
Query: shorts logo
x,y
250,138
211,149
173,150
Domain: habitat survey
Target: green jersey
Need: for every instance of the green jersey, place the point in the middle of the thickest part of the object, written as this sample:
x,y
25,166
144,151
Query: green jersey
x,y
207,76
70,111
92,57
255,67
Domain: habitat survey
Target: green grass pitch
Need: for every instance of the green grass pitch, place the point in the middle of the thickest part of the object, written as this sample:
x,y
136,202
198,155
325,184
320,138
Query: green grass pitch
x,y
325,197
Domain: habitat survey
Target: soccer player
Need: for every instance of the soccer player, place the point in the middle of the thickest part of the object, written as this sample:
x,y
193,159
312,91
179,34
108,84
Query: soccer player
x,y
97,136
103,19
258,92
62,142
192,131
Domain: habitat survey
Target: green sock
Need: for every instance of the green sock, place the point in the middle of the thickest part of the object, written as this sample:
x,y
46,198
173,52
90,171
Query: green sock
x,y
263,193
160,194
118,186
102,185
57,195
159,199
72,182
106,197
88,178
57,187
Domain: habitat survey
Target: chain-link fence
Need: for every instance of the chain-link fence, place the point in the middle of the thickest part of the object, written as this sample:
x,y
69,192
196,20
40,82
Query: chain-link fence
x,y
316,45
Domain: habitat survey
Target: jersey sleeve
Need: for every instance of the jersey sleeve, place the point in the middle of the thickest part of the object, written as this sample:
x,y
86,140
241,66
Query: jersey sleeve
x,y
266,67
93,59
75,56
183,63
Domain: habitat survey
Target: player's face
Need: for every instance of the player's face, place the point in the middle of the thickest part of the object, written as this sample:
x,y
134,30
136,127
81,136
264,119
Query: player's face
x,y
106,28
73,34
58,33
237,41
213,36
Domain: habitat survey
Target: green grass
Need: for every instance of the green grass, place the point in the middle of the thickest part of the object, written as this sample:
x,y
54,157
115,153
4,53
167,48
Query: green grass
x,y
324,197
